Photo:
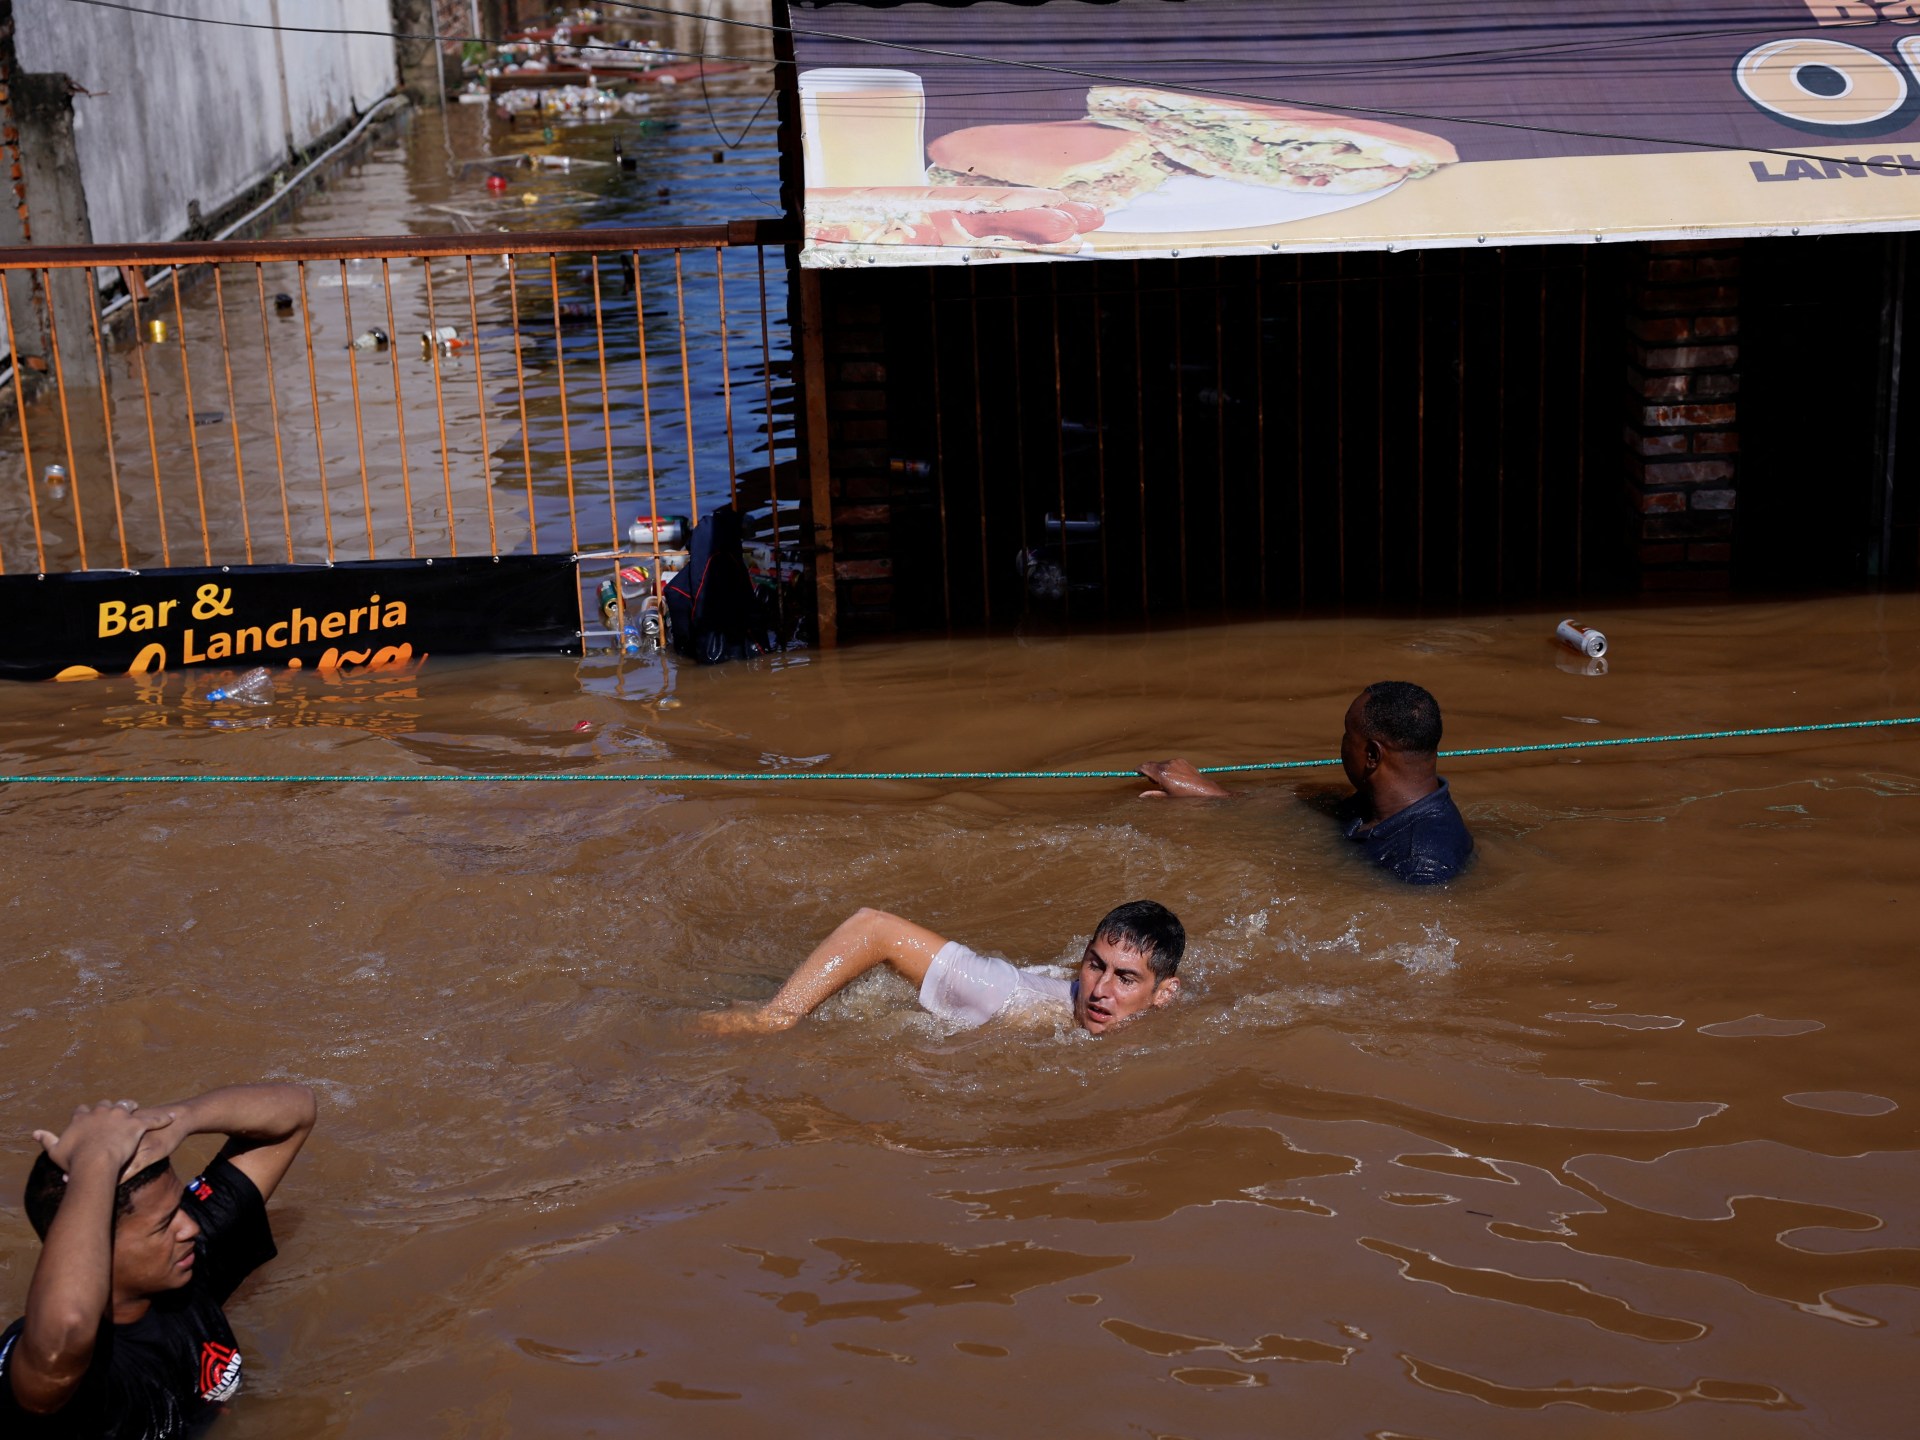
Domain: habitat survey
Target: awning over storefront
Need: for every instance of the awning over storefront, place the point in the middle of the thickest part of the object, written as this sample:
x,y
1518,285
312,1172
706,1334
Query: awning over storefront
x,y
967,133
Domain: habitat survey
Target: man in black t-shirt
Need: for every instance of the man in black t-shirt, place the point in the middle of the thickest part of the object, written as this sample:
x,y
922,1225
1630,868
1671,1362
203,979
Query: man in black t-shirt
x,y
124,1338
1401,812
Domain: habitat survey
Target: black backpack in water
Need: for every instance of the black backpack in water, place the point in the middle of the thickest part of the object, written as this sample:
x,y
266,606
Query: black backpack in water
x,y
713,611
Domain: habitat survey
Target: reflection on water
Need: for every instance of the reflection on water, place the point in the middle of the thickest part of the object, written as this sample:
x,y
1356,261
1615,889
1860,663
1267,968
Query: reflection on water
x,y
1615,1135
273,439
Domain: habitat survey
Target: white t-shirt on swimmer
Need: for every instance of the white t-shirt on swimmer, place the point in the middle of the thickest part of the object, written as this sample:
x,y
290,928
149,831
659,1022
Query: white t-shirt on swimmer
x,y
970,989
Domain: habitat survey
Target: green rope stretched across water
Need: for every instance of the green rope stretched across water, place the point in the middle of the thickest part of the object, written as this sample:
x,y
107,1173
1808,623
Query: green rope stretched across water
x,y
688,777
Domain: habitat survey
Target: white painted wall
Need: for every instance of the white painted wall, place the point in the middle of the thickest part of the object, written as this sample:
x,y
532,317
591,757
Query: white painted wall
x,y
186,111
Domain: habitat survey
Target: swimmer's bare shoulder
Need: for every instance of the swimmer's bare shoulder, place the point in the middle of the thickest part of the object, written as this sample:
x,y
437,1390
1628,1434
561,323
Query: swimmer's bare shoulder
x,y
860,942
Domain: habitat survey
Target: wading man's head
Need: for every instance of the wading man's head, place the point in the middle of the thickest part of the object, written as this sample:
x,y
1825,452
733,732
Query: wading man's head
x,y
153,1235
1128,965
1392,736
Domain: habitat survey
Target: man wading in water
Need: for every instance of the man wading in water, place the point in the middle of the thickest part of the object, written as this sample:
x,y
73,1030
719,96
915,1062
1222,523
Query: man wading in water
x,y
1127,968
1400,813
123,1334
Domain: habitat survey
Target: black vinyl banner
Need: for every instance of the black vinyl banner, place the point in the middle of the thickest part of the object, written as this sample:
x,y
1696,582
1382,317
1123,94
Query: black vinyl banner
x,y
361,613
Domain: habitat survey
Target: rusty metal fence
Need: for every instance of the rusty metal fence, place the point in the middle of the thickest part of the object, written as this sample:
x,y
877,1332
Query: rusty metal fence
x,y
303,401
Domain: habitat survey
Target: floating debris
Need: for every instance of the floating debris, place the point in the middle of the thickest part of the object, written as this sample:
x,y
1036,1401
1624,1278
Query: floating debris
x,y
558,100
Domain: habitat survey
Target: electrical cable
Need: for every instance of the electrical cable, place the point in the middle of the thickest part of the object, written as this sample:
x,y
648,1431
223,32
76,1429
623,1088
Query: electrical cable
x,y
779,776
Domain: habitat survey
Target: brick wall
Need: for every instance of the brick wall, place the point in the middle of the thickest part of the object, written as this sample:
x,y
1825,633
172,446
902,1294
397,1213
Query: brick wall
x,y
1682,433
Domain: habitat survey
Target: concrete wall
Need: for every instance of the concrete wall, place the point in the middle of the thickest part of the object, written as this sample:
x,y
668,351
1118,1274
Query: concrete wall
x,y
185,117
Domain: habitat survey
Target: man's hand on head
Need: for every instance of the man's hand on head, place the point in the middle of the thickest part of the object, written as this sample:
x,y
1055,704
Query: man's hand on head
x,y
113,1132
1179,780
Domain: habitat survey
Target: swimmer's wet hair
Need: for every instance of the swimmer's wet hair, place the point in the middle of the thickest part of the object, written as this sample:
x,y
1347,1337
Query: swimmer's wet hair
x,y
1401,714
47,1186
1150,928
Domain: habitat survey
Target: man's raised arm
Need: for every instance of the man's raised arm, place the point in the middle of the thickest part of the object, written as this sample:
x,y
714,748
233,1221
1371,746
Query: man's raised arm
x,y
265,1126
862,941
72,1284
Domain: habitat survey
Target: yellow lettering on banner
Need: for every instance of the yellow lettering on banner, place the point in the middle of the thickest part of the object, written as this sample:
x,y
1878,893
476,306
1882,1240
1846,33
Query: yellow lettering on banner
x,y
279,627
153,657
212,601
394,614
117,617
1842,12
334,625
390,657
245,639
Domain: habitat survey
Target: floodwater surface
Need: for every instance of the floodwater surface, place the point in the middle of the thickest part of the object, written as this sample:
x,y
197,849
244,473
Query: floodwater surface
x,y
1615,1137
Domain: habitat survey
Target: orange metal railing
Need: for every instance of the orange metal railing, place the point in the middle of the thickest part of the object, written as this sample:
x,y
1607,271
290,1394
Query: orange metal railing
x,y
521,372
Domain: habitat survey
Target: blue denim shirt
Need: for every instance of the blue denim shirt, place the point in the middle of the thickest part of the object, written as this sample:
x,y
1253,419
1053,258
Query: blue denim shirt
x,y
1425,844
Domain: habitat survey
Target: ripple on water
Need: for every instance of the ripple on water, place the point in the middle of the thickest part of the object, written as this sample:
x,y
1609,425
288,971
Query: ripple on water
x,y
1842,1102
1760,1027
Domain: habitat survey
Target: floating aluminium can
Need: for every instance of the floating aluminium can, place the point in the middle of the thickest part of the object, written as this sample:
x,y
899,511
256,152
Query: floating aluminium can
x,y
1583,638
157,331
657,530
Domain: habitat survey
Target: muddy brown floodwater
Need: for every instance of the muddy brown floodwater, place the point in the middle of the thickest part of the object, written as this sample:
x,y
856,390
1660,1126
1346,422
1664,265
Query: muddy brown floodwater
x,y
1614,1137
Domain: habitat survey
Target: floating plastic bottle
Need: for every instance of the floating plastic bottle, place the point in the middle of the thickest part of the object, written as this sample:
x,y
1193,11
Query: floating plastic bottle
x,y
253,688
374,339
55,477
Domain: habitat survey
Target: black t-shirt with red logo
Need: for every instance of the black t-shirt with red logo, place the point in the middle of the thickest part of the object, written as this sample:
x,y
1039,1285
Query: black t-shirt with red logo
x,y
172,1370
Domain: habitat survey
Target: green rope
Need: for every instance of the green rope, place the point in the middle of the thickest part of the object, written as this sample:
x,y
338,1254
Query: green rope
x,y
690,777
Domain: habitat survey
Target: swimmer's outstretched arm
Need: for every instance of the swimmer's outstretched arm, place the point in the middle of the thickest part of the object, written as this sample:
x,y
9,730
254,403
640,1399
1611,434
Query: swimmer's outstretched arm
x,y
864,940
1178,778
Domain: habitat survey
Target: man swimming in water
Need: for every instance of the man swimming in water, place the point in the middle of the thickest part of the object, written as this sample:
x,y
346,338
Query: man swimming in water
x,y
124,1334
1127,969
1401,812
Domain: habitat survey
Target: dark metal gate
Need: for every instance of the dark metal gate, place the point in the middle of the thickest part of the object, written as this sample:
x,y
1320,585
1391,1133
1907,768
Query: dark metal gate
x,y
1271,432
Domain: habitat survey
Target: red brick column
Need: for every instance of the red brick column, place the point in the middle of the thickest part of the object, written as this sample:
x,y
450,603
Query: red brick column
x,y
1683,438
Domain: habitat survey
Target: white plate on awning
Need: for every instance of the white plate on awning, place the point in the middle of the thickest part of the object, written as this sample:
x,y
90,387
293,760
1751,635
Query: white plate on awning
x,y
1187,203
